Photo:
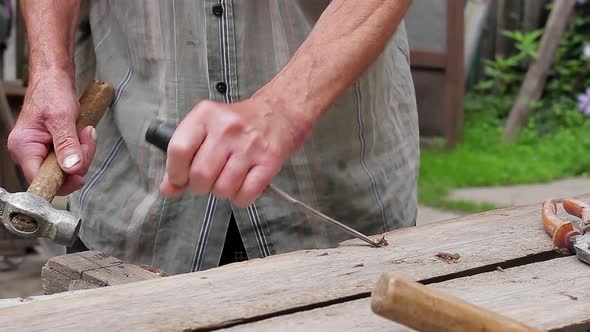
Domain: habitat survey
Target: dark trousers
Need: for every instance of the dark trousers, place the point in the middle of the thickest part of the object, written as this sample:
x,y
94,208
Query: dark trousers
x,y
233,248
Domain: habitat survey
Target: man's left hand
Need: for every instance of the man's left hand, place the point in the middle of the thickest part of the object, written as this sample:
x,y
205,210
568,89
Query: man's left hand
x,y
231,150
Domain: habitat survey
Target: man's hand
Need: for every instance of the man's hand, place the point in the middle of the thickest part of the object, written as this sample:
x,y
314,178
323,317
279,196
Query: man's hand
x,y
49,117
50,109
231,150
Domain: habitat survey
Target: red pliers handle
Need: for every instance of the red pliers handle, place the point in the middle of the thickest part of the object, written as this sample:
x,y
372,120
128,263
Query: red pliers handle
x,y
561,230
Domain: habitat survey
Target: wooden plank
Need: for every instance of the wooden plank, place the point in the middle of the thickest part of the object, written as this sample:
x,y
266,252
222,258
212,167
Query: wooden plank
x,y
11,302
264,287
430,96
455,72
9,179
119,275
530,294
89,269
430,59
14,88
74,265
21,46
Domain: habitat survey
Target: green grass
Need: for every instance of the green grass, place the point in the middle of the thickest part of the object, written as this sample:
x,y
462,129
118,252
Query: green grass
x,y
555,144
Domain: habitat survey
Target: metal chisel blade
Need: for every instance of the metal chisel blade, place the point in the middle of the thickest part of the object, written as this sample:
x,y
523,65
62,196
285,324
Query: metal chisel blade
x,y
276,192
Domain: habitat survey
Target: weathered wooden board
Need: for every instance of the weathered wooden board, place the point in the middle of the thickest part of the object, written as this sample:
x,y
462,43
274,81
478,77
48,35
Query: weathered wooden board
x,y
89,269
264,287
11,302
549,295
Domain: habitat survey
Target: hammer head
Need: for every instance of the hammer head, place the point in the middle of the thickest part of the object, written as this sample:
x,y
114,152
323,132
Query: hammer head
x,y
60,226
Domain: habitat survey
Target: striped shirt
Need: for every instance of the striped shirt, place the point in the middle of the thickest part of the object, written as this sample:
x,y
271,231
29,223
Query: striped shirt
x,y
359,165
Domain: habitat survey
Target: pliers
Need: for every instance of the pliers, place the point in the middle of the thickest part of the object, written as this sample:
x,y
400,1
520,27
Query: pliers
x,y
567,238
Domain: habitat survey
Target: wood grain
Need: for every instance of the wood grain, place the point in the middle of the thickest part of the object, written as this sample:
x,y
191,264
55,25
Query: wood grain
x,y
261,287
89,269
549,295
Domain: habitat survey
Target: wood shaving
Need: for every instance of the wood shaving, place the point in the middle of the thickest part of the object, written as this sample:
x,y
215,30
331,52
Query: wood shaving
x,y
153,270
382,241
359,265
499,268
448,257
575,298
347,274
323,254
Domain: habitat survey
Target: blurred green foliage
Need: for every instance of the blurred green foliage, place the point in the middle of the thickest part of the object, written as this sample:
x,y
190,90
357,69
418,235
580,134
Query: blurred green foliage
x,y
555,148
555,144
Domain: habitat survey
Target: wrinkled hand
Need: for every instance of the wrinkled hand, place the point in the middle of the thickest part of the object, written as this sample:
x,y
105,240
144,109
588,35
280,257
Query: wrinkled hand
x,y
231,150
48,116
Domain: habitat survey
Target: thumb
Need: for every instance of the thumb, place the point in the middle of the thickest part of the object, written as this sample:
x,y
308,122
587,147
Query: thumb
x,y
66,144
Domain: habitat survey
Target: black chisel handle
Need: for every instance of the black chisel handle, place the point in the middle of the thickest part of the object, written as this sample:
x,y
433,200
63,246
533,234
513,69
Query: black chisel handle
x,y
159,134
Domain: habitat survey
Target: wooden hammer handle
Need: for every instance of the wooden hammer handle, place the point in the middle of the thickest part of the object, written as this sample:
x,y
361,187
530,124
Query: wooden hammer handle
x,y
426,309
93,103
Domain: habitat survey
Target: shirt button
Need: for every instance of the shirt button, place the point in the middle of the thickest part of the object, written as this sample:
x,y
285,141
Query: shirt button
x,y
217,10
221,87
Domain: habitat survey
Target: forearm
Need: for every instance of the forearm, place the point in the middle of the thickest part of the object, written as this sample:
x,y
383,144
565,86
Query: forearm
x,y
51,27
345,41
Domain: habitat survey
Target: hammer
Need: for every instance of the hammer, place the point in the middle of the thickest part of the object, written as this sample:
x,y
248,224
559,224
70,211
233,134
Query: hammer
x,y
425,309
30,214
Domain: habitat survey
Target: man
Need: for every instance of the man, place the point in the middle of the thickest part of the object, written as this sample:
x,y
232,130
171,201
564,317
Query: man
x,y
314,95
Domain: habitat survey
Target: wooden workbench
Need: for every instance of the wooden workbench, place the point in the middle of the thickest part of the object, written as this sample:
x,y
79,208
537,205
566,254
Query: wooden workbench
x,y
505,264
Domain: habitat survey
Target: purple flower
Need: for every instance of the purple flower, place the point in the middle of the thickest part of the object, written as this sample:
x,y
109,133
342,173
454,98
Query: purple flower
x,y
582,2
584,102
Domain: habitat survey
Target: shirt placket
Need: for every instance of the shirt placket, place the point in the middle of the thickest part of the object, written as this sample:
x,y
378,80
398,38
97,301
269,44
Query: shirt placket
x,y
220,48
221,84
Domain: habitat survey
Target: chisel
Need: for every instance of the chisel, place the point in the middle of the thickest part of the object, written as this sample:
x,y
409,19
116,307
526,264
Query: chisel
x,y
159,134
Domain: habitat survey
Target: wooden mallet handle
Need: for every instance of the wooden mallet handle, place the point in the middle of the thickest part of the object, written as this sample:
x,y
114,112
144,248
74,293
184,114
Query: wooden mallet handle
x,y
93,103
429,310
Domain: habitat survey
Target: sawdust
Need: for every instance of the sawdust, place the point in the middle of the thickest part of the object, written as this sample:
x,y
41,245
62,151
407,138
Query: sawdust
x,y
448,257
323,254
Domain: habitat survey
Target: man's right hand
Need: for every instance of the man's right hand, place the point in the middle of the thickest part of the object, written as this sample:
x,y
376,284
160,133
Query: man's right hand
x,y
49,117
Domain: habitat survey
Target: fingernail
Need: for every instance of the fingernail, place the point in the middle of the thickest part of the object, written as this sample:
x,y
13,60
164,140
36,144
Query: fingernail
x,y
71,160
93,134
